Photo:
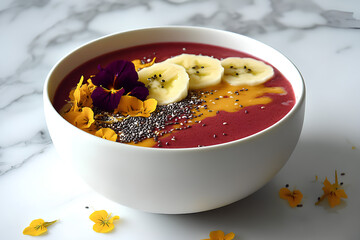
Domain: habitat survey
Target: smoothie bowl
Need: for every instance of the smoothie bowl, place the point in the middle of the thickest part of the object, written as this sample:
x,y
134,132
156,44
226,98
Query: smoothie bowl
x,y
175,119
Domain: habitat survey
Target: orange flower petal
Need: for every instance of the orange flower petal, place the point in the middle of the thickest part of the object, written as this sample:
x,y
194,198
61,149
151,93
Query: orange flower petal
x,y
90,85
333,200
341,193
149,106
130,105
77,90
85,96
71,116
284,193
106,133
293,197
85,118
332,192
217,235
139,65
327,185
229,236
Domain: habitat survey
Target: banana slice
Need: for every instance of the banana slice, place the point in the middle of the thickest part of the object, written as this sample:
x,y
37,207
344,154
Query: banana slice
x,y
167,82
246,71
203,71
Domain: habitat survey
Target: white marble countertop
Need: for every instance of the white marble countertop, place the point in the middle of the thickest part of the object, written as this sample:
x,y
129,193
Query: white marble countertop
x,y
321,37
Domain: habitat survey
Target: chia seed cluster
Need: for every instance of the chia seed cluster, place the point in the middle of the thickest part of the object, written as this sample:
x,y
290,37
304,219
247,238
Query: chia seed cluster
x,y
137,129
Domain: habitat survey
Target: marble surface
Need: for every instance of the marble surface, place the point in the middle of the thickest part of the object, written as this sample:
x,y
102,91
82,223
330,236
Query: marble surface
x,y
321,37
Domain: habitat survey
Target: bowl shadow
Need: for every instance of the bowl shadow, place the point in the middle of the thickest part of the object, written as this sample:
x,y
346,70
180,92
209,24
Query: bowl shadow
x,y
265,211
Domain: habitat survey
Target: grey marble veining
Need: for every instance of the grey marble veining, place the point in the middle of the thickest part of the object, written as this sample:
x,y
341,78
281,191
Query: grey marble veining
x,y
321,37
36,33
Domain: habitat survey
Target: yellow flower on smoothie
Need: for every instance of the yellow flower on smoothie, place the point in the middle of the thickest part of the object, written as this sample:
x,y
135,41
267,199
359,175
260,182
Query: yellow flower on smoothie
x,y
91,87
134,107
37,227
220,235
81,95
333,192
106,133
85,118
293,197
82,119
103,221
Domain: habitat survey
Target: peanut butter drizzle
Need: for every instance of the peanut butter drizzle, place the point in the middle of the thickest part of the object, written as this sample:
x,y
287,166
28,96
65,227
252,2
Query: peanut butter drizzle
x,y
225,97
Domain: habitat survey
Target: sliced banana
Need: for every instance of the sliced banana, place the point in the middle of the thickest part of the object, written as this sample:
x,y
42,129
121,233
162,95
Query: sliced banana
x,y
167,82
246,71
203,71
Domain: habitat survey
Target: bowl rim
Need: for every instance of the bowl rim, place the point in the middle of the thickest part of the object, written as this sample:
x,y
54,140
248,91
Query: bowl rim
x,y
293,110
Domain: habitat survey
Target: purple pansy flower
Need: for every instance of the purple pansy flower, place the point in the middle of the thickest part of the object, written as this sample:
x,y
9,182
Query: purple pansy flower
x,y
117,79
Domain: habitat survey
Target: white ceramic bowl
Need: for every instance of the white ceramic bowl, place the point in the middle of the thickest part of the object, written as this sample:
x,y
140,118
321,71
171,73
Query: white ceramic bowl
x,y
176,180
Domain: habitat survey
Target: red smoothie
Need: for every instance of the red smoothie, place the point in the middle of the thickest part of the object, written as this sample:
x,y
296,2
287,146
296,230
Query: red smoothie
x,y
216,125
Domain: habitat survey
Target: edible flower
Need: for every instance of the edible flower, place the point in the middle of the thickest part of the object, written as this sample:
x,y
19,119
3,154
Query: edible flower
x,y
83,118
117,79
333,192
106,133
37,227
140,65
81,95
103,221
293,197
135,107
220,235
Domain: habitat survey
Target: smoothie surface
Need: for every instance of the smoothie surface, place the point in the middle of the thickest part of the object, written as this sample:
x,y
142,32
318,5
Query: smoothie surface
x,y
230,112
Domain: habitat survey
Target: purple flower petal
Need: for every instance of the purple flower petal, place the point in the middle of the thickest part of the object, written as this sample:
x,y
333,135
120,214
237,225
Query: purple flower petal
x,y
140,92
127,77
102,78
117,75
106,100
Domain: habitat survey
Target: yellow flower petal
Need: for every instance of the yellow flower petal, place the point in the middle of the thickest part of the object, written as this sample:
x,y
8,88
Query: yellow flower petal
x,y
98,215
90,85
85,118
77,90
81,95
114,218
106,133
149,106
134,107
71,116
103,228
129,105
103,221
92,129
37,227
85,96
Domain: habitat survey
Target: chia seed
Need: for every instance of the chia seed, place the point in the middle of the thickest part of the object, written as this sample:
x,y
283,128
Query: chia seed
x,y
137,129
